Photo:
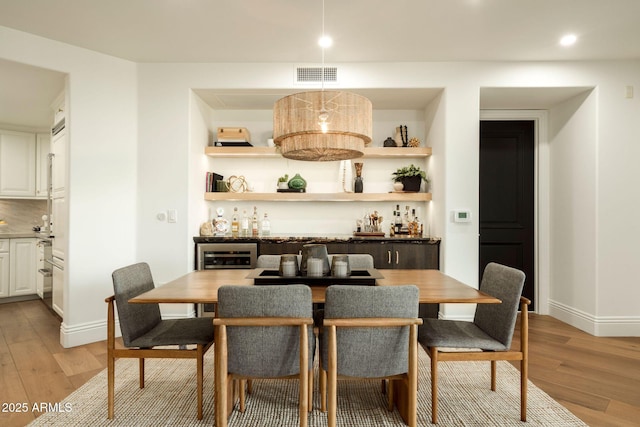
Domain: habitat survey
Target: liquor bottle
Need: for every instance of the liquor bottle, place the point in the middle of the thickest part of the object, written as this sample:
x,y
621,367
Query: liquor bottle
x,y
397,220
266,226
254,222
220,223
235,224
244,226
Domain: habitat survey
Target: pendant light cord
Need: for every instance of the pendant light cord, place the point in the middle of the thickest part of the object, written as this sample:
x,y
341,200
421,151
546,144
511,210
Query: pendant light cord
x,y
322,47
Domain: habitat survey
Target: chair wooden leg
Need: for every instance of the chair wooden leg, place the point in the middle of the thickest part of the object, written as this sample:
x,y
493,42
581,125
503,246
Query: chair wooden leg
x,y
310,391
383,386
303,400
332,378
390,396
322,374
249,386
199,377
493,375
111,361
524,363
111,367
433,352
242,385
141,366
221,376
413,377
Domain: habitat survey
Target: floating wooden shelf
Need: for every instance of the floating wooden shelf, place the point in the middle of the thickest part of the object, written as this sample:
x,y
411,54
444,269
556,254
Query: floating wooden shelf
x,y
320,197
369,152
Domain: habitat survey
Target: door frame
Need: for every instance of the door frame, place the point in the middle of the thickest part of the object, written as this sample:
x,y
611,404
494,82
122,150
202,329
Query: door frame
x,y
541,189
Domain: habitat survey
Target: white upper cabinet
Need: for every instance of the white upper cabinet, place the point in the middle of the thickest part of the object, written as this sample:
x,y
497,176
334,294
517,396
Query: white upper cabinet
x,y
59,151
43,143
17,164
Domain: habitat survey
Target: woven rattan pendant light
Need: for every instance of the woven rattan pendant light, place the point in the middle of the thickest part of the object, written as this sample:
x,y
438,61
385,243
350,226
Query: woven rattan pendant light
x,y
322,125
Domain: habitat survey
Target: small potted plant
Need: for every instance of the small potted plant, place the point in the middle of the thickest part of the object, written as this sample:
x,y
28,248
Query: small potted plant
x,y
411,177
283,182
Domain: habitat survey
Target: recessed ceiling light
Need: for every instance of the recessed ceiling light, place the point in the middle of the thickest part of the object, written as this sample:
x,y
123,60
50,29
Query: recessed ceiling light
x,y
325,41
568,40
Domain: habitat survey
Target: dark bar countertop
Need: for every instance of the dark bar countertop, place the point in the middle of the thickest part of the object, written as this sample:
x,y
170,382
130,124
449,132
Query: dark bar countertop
x,y
316,239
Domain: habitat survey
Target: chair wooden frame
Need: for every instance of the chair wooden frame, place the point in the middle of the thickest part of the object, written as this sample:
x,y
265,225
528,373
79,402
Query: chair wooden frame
x,y
223,379
522,355
114,353
329,378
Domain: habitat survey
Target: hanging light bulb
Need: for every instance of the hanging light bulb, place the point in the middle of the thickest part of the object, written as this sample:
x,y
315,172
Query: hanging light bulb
x,y
322,125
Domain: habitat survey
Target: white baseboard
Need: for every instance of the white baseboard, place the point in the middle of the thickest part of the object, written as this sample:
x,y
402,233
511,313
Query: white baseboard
x,y
599,326
86,333
90,332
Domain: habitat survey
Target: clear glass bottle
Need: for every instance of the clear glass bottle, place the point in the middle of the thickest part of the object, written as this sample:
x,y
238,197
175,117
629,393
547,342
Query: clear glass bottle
x,y
266,226
254,222
235,223
220,223
244,225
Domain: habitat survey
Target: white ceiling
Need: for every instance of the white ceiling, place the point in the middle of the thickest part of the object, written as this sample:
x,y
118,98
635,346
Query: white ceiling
x,y
287,31
363,30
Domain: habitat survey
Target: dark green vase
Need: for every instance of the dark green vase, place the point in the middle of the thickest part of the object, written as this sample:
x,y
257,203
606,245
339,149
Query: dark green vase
x,y
297,182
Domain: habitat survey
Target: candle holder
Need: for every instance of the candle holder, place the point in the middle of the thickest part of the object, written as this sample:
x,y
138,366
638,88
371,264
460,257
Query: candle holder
x,y
357,184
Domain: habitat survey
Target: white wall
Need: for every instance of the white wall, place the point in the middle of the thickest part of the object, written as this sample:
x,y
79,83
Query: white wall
x,y
101,190
453,166
573,174
131,161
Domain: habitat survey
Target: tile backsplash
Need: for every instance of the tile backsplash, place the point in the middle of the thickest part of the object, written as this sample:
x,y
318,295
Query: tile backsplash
x,y
22,215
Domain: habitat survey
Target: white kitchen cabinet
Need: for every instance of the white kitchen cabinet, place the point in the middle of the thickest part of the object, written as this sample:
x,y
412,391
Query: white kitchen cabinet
x,y
43,147
4,268
17,164
57,291
59,169
59,227
23,267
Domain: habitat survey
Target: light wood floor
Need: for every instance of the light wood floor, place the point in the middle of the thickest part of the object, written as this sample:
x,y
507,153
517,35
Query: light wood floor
x,y
598,379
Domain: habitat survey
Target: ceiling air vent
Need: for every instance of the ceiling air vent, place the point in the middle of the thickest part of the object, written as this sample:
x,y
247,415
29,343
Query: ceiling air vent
x,y
314,74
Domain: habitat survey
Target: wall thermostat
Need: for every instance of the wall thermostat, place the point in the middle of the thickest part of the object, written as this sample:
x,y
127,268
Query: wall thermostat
x,y
461,216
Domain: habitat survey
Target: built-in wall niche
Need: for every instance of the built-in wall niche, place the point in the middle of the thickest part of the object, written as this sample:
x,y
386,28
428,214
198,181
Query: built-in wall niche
x,y
331,211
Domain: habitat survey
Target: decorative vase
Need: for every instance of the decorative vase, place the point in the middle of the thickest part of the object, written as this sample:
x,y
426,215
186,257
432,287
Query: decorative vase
x,y
297,182
412,183
389,142
283,185
357,184
398,186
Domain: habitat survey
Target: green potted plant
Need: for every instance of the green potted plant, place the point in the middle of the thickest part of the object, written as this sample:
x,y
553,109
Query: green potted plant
x,y
283,182
411,177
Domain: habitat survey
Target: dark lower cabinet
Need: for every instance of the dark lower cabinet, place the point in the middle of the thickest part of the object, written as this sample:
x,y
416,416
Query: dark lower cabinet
x,y
417,254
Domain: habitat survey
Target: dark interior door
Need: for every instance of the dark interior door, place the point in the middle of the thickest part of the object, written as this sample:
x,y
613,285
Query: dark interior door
x,y
507,197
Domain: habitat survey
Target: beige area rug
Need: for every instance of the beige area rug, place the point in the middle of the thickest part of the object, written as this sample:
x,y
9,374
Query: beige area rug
x,y
169,399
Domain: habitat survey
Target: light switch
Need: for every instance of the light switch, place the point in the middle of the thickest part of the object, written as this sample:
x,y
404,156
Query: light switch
x,y
628,92
172,215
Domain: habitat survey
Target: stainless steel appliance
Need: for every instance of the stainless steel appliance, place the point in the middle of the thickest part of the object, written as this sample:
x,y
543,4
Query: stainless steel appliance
x,y
44,278
226,255
210,256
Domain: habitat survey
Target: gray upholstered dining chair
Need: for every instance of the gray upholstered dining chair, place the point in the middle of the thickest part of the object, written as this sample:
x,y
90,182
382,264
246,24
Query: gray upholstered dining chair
x,y
488,337
370,332
268,261
264,332
143,328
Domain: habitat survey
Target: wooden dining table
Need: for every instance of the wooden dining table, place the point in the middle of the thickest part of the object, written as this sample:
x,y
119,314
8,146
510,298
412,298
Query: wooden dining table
x,y
201,287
